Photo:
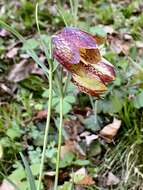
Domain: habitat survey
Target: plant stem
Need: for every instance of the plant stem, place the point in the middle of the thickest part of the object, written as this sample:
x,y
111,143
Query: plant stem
x,y
93,104
59,143
47,126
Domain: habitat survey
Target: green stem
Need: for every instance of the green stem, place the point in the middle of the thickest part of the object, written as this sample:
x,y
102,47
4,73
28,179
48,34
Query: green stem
x,y
59,143
93,104
47,127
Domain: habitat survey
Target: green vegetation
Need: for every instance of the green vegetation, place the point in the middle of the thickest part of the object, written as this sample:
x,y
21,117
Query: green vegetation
x,y
24,97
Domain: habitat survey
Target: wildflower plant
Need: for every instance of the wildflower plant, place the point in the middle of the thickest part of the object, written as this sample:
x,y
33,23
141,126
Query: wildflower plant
x,y
79,53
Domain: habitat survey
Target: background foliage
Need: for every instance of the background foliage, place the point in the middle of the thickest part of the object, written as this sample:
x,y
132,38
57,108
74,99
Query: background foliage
x,y
24,93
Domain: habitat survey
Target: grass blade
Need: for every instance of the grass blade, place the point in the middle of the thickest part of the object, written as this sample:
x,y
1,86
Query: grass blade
x,y
30,52
29,174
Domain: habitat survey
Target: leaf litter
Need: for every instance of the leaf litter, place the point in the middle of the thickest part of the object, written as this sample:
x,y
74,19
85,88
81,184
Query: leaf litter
x,y
22,70
120,43
110,131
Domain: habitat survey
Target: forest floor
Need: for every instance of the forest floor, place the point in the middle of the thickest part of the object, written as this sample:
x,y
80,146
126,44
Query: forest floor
x,y
102,138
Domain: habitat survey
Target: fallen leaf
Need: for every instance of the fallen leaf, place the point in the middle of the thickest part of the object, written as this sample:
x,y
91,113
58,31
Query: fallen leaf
x,y
22,70
109,29
116,46
139,44
80,177
72,147
119,44
125,47
87,180
48,182
110,130
81,111
127,36
40,115
12,53
85,133
90,139
112,179
3,33
7,89
66,149
6,185
73,128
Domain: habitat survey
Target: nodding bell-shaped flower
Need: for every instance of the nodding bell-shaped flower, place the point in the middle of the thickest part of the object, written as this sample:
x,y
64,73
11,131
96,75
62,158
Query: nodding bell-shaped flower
x,y
79,53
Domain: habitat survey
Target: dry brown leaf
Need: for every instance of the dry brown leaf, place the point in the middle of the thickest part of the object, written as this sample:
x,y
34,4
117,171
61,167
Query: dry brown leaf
x,y
22,70
120,43
125,48
12,53
127,36
110,130
73,147
85,133
6,186
139,44
82,178
90,138
87,180
7,89
73,128
81,112
116,45
109,29
48,182
40,115
81,171
112,179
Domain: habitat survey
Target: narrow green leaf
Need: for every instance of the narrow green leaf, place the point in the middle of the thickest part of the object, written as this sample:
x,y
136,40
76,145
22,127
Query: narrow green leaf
x,y
13,31
29,174
30,44
30,52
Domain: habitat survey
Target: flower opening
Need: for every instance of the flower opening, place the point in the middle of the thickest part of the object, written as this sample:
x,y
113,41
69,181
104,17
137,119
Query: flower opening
x,y
79,53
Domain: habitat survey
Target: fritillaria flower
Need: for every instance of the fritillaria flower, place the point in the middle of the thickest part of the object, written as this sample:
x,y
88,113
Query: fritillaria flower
x,y
79,53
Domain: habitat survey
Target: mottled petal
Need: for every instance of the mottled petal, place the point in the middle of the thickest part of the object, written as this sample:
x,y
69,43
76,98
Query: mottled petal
x,y
105,70
64,51
88,82
71,43
78,38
